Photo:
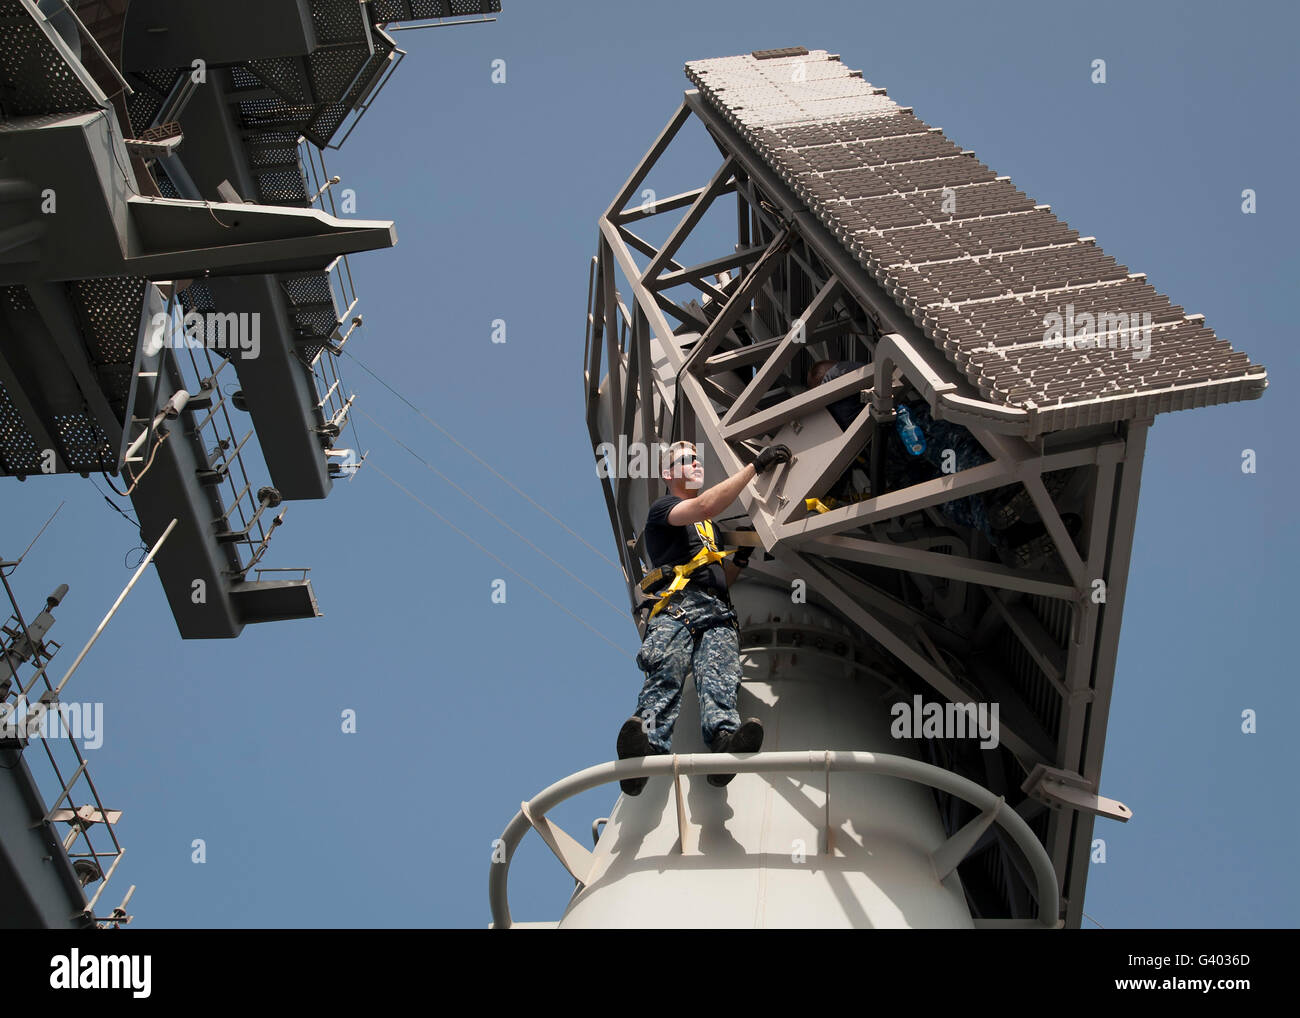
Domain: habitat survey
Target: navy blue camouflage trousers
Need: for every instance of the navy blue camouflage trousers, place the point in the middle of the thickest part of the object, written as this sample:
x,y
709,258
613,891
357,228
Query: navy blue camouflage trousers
x,y
669,649
940,436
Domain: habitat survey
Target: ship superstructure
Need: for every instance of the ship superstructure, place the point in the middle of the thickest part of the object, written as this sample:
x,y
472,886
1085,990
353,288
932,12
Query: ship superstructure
x,y
174,293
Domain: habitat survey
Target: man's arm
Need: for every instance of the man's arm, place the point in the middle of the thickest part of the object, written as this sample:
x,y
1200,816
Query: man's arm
x,y
732,567
712,501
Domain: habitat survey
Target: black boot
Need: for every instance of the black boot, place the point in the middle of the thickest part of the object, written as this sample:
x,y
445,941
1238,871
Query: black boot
x,y
748,738
633,742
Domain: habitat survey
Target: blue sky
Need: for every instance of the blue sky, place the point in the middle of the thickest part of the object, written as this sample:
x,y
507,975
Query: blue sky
x,y
465,707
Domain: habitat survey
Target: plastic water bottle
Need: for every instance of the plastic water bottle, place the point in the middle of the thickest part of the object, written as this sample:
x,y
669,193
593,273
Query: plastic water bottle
x,y
913,437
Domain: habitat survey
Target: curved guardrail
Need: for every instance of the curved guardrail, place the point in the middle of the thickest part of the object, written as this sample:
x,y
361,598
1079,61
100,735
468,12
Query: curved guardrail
x,y
532,814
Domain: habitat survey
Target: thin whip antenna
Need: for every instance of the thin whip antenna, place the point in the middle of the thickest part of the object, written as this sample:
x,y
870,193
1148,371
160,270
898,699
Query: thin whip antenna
x,y
622,612
499,560
470,452
116,604
15,564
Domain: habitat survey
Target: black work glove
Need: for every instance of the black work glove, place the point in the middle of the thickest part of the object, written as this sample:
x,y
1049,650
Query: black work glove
x,y
741,558
771,456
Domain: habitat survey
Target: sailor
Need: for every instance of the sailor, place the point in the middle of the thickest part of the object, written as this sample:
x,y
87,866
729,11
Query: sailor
x,y
692,623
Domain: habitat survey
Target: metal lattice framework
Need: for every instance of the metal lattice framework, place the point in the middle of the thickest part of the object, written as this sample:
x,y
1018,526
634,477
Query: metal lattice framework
x,y
862,234
90,851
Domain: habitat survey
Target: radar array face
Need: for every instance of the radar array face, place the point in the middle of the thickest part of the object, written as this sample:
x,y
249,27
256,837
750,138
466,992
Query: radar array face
x,y
1036,316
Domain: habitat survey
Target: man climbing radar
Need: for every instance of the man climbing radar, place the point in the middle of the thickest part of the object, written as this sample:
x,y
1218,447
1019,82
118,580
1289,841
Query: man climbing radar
x,y
692,623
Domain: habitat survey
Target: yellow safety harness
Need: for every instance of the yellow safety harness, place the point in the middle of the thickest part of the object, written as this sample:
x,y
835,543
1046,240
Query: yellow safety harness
x,y
681,573
825,505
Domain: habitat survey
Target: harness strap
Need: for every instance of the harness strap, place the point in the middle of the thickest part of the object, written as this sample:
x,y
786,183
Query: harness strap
x,y
699,627
681,574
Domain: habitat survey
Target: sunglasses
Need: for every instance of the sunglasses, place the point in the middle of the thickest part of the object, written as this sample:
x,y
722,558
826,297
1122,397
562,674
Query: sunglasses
x,y
685,461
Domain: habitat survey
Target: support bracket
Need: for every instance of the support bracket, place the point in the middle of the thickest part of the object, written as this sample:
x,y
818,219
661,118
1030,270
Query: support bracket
x,y
576,859
1060,788
683,828
948,856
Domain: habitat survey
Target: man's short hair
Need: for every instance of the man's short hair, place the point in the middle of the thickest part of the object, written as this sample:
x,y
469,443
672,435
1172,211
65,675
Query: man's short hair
x,y
670,454
817,373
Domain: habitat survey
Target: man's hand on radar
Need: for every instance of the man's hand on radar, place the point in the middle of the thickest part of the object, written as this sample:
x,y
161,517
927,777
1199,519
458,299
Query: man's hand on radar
x,y
770,457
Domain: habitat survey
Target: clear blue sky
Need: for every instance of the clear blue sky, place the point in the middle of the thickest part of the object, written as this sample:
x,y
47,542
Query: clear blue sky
x,y
465,707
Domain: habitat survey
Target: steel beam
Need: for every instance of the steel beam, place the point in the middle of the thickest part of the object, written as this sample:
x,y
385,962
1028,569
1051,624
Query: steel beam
x,y
647,163
38,886
1024,749
33,419
1119,555
669,305
794,340
694,214
953,567
659,324
971,481
769,421
52,303
696,273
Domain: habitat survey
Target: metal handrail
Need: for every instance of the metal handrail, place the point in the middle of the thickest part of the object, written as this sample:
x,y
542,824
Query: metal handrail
x,y
819,760
81,829
323,366
367,98
99,50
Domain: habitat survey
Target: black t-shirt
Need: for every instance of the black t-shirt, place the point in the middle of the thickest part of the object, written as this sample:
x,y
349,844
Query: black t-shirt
x,y
666,544
846,410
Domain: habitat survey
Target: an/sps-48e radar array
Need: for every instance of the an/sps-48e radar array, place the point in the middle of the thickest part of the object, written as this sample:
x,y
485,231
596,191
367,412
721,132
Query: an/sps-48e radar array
x,y
930,626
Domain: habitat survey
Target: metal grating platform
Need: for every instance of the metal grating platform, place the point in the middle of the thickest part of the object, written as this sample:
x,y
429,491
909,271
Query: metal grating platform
x,y
85,446
977,265
147,101
34,77
337,20
110,311
19,454
284,75
387,11
316,93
